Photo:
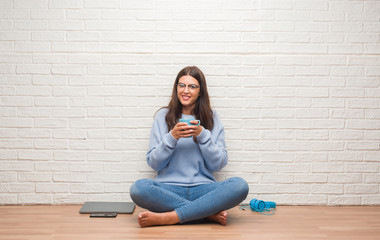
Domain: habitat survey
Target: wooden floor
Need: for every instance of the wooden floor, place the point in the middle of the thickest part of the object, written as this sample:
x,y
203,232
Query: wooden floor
x,y
289,222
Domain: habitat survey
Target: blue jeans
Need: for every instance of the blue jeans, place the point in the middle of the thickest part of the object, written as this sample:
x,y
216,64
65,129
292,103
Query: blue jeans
x,y
190,203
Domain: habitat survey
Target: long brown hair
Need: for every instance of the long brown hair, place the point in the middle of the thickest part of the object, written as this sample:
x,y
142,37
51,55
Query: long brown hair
x,y
202,110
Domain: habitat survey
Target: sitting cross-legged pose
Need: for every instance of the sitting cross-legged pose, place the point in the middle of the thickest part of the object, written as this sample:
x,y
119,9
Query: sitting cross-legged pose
x,y
185,156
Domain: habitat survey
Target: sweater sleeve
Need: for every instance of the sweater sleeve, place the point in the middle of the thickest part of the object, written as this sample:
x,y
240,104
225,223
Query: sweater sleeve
x,y
161,144
213,146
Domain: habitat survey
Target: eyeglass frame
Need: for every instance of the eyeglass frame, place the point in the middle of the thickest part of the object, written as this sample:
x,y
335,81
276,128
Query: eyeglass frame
x,y
191,87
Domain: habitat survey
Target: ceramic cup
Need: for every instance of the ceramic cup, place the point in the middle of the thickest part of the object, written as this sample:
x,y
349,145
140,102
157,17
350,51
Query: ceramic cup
x,y
186,120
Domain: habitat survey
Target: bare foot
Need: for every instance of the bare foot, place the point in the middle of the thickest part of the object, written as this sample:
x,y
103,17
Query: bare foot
x,y
220,217
148,218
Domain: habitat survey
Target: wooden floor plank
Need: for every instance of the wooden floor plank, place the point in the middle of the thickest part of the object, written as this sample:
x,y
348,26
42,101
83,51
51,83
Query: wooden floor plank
x,y
64,222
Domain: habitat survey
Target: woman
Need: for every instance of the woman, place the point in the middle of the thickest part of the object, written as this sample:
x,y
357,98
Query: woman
x,y
185,188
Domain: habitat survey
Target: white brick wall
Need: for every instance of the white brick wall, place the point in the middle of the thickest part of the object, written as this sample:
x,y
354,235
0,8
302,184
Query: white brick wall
x,y
296,83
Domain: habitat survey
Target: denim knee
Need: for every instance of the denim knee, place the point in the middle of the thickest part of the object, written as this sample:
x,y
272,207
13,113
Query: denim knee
x,y
241,187
137,189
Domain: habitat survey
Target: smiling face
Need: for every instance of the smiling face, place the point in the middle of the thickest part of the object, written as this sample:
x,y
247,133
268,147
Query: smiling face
x,y
188,92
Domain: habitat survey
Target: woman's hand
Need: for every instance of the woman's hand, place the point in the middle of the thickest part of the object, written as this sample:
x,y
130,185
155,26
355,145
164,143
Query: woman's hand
x,y
182,130
195,130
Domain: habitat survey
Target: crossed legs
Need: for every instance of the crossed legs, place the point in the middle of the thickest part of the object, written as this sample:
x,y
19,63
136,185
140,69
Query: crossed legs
x,y
168,204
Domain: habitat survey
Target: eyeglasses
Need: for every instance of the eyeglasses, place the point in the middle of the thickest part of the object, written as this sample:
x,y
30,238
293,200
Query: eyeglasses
x,y
192,87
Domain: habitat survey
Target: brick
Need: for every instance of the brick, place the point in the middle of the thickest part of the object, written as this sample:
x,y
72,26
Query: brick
x,y
326,188
149,4
99,4
105,178
69,177
346,49
311,113
326,146
372,178
296,103
47,14
126,145
327,124
34,199
345,134
48,58
86,144
363,124
50,144
14,36
16,144
7,12
345,178
347,27
34,177
17,187
372,92
313,157
69,156
362,168
16,166
310,178
293,188
277,157
50,166
361,189
17,123
345,156
347,6
363,146
312,135
344,200
83,14
51,188
258,37
105,112
310,199
69,199
327,167
68,70
318,5
372,135
293,168
8,177
34,155
87,188
51,123
277,4
8,133
330,16
372,156
294,124
85,167
371,199
294,81
69,134
65,4
117,188
7,47
31,47
105,156
30,4
72,113
84,59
